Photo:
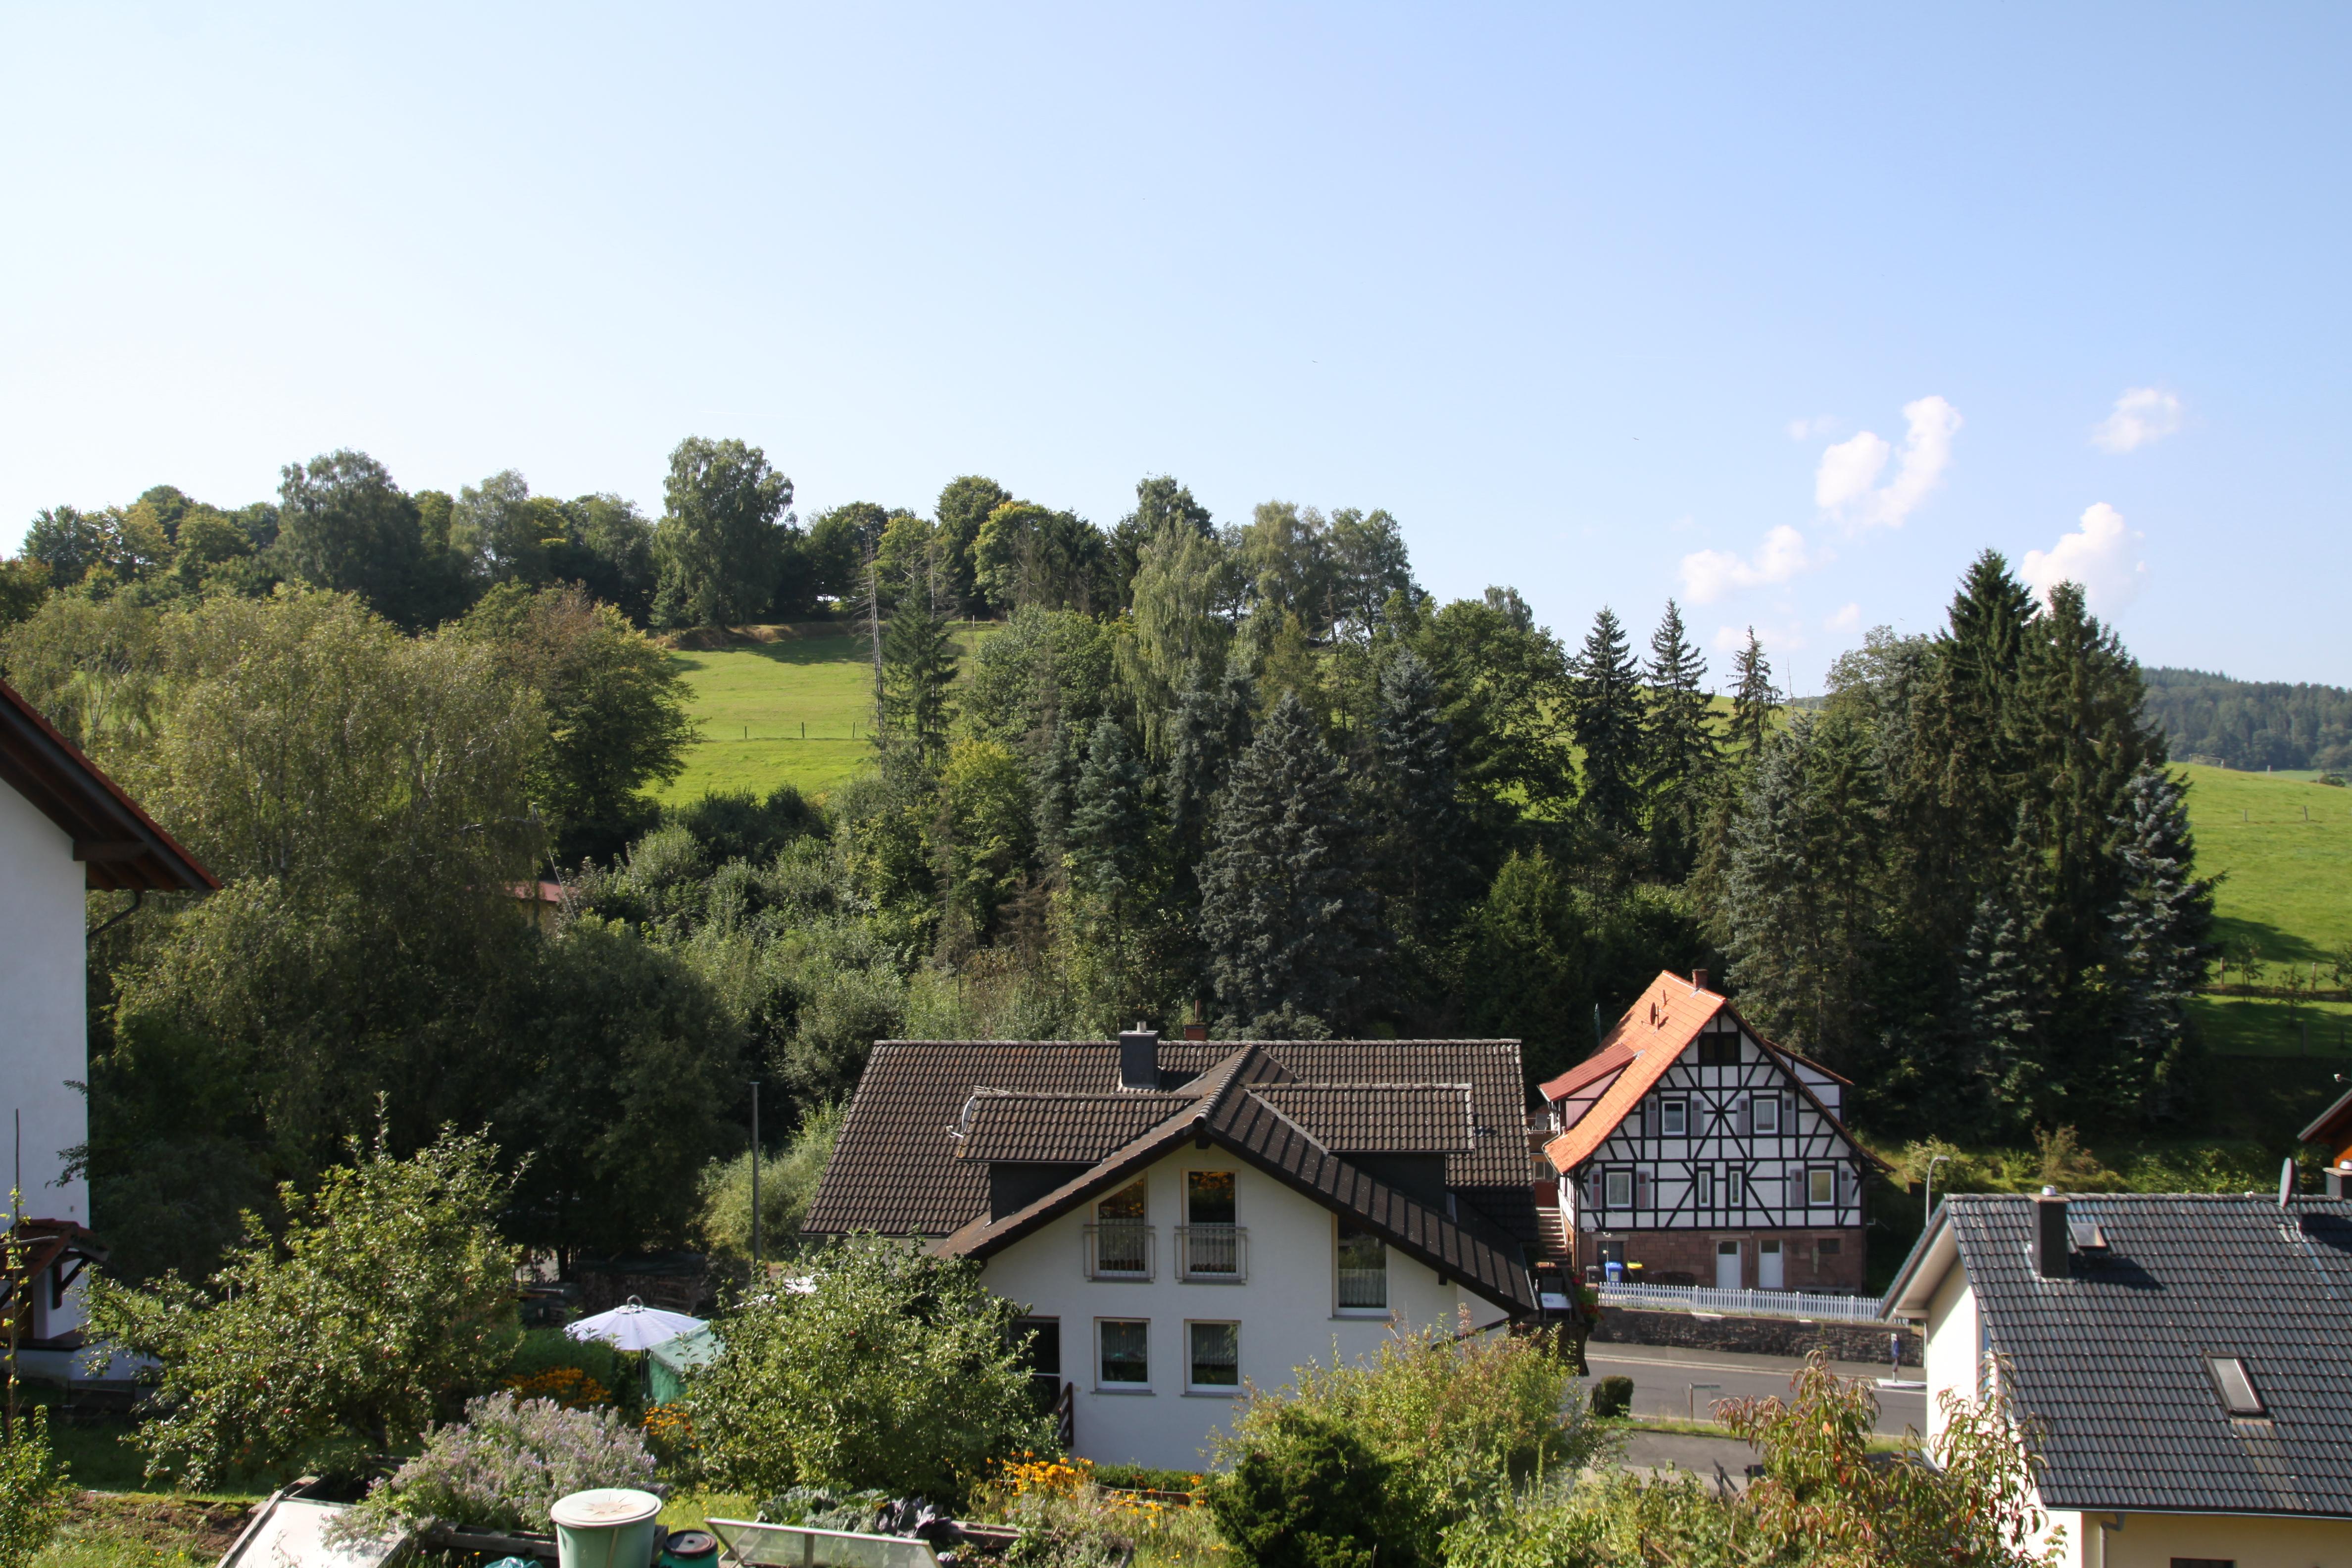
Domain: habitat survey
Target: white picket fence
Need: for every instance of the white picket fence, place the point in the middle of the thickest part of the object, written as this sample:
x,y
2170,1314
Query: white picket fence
x,y
1743,1303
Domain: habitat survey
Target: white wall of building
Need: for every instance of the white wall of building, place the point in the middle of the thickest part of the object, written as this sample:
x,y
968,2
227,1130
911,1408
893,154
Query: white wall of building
x,y
1951,1355
1287,1309
44,1030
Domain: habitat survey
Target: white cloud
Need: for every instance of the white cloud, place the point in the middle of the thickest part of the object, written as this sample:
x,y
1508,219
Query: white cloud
x,y
1845,620
1710,574
1778,640
2099,555
1806,429
1846,483
2143,416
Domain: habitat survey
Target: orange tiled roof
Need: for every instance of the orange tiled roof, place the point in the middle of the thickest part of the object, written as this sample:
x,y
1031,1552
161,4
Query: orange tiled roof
x,y
1646,1041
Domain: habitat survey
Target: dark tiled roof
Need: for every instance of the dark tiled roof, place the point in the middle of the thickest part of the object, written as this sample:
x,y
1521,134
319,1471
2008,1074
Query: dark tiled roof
x,y
2112,1359
1058,1129
1384,1118
1227,1110
895,1168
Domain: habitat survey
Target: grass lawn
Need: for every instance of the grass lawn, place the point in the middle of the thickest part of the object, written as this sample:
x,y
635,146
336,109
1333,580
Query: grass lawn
x,y
2284,847
797,711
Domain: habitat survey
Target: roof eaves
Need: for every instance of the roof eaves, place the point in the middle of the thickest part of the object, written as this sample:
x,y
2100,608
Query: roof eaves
x,y
1922,1271
121,846
2320,1124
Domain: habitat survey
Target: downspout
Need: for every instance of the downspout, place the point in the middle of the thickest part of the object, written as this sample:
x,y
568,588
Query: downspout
x,y
138,897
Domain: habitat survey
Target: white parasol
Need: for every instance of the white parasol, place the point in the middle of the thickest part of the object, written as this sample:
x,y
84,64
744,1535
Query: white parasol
x,y
633,1326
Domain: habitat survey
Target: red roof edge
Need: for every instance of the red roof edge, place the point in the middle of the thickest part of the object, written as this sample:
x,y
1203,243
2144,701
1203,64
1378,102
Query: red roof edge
x,y
121,846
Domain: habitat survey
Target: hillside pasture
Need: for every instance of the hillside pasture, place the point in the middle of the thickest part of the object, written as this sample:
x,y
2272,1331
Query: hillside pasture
x,y
782,705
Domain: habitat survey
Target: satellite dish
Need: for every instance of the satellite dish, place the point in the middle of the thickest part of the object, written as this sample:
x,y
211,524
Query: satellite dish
x,y
2286,1180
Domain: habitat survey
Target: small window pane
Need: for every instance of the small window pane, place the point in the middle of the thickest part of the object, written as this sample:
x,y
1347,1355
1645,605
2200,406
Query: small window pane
x,y
1363,1268
1732,1189
1820,1187
1827,1246
1674,1118
1768,1115
1126,1352
1217,1355
1705,1196
1125,1204
1618,1190
1209,1198
2238,1394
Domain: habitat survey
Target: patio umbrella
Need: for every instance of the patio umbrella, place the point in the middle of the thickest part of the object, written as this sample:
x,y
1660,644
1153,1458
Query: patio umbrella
x,y
633,1326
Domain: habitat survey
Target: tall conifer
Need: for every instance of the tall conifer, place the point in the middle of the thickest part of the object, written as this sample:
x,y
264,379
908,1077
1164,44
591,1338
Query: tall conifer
x,y
1678,744
1608,723
1753,700
2161,928
919,666
1286,908
1423,826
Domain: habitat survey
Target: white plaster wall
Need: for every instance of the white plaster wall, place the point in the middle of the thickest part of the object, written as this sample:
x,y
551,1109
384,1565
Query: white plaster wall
x,y
44,1032
1951,1355
1286,1310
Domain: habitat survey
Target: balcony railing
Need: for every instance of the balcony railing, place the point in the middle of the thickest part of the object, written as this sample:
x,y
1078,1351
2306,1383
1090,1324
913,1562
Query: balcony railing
x,y
1118,1249
1218,1254
1363,1287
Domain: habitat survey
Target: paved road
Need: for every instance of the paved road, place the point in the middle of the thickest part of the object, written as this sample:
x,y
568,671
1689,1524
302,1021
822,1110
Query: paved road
x,y
1662,1375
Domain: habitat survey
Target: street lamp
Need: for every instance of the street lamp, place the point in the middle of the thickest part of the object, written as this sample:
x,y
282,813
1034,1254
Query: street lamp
x,y
1938,1160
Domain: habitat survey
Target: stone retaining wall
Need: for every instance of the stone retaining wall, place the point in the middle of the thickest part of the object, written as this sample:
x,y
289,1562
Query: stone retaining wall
x,y
1754,1336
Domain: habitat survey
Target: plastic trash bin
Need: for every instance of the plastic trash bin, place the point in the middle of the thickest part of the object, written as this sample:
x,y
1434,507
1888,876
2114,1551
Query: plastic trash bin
x,y
611,1527
1616,1272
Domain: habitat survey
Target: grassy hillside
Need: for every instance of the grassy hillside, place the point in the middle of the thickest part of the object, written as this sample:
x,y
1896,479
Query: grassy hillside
x,y
2283,846
798,709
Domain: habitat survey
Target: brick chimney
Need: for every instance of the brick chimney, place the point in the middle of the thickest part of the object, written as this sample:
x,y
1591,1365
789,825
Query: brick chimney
x,y
1698,979
1138,1059
2050,1239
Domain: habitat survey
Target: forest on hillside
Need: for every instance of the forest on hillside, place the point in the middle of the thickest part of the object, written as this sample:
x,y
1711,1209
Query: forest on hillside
x,y
2250,724
1245,770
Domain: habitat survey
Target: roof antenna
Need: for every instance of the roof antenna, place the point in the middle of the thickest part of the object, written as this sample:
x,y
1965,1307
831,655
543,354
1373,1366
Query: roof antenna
x,y
2286,1180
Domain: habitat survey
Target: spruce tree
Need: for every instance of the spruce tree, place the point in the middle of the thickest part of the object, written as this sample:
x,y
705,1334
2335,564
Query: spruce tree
x,y
2161,932
1109,853
1607,725
1680,751
1286,912
1423,828
1753,701
918,668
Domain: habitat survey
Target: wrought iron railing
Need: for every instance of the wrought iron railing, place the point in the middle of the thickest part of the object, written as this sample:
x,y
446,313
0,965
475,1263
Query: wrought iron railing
x,y
1118,1249
1216,1253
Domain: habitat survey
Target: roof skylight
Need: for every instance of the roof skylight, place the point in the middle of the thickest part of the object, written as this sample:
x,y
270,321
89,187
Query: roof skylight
x,y
2237,1390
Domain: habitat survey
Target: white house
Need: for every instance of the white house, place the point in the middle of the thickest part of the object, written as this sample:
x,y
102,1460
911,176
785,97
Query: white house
x,y
65,829
1690,1145
2183,1361
1177,1217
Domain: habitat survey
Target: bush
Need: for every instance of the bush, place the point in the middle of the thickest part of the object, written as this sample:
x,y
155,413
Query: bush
x,y
897,1372
1306,1494
1145,1478
34,1489
506,1465
1458,1422
550,1351
1613,1398
388,1298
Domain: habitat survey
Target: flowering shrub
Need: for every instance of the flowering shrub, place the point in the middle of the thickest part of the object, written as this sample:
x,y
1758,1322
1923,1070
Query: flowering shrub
x,y
504,1466
33,1490
566,1386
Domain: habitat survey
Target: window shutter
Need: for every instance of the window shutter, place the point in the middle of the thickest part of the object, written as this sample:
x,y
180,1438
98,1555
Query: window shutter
x,y
1747,1118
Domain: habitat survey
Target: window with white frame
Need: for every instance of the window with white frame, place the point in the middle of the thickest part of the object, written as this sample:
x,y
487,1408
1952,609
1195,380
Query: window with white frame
x,y
1764,1115
1617,1189
1734,1188
1702,1187
1674,1118
1820,1186
1216,1358
1125,1358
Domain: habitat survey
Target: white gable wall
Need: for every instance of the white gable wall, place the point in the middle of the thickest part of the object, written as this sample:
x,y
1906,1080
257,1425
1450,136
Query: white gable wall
x,y
1287,1309
44,1030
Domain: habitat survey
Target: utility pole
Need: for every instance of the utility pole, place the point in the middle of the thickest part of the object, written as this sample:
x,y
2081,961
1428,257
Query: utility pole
x,y
756,1262
874,629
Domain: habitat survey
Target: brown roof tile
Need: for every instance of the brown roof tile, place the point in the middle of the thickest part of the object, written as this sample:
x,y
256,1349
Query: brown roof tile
x,y
1058,1129
1378,1117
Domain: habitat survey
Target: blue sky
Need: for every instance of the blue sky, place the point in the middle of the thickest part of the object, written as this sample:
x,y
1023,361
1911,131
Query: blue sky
x,y
1787,311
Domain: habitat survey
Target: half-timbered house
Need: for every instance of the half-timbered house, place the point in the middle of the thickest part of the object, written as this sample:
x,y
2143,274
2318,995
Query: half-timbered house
x,y
1690,1145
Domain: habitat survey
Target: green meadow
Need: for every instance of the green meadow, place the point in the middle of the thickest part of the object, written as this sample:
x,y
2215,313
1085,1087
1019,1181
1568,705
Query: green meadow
x,y
2281,845
798,709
